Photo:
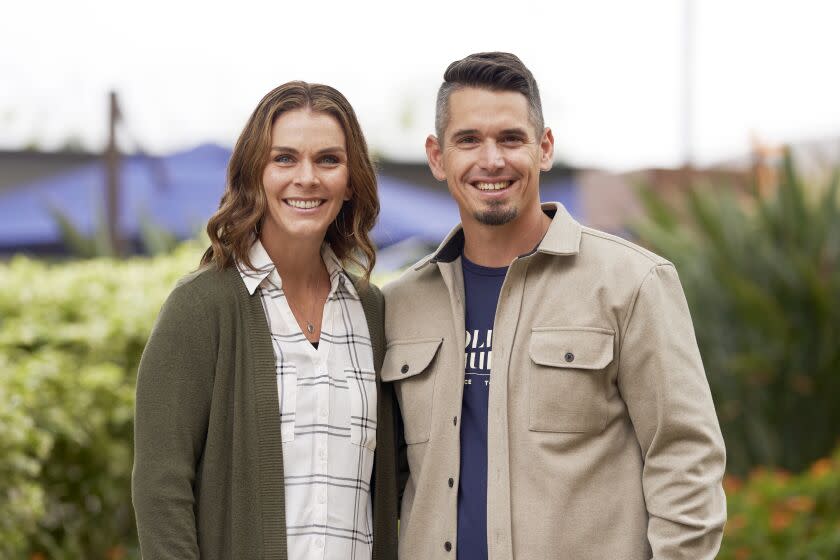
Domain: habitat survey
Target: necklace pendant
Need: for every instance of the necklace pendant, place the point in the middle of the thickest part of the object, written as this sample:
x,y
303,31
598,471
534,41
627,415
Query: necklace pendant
x,y
310,327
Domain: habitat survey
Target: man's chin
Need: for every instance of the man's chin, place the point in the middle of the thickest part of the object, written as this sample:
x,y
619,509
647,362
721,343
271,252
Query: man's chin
x,y
496,216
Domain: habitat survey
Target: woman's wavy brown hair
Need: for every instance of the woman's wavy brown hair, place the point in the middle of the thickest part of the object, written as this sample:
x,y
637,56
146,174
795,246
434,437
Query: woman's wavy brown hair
x,y
236,224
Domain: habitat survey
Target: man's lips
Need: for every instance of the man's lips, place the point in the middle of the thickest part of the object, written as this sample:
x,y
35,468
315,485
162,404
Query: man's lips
x,y
491,185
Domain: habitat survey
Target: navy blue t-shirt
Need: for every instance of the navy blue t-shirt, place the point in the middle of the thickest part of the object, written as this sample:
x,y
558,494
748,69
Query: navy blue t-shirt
x,y
481,287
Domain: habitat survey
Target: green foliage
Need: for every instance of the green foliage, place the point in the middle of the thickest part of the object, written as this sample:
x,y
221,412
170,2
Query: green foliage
x,y
70,342
79,244
71,336
762,279
776,516
154,239
22,448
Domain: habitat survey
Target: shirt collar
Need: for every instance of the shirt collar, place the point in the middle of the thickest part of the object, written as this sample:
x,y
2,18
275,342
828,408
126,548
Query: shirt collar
x,y
263,267
562,237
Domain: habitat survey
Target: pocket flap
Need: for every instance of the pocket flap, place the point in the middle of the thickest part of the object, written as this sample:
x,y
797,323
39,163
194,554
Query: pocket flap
x,y
572,347
407,358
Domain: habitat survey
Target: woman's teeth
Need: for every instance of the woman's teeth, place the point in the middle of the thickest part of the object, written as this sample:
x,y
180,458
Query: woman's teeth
x,y
492,186
304,204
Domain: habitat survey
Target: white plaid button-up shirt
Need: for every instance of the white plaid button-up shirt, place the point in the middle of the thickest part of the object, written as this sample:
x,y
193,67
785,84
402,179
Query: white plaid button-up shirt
x,y
327,412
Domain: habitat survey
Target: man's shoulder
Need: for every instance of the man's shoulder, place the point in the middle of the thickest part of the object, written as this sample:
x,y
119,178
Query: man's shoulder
x,y
600,245
416,275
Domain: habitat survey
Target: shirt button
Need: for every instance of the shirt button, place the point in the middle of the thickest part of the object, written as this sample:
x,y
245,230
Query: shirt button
x,y
322,453
322,497
319,543
404,368
323,414
454,420
447,546
451,482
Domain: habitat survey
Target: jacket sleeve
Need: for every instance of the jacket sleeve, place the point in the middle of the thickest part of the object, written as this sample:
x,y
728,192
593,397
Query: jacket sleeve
x,y
174,387
661,379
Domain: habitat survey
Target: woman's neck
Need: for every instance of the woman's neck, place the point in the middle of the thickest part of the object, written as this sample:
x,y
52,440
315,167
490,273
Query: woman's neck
x,y
298,262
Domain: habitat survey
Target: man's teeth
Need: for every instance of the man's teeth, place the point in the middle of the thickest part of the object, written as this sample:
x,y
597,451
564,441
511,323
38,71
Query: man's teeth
x,y
492,186
304,204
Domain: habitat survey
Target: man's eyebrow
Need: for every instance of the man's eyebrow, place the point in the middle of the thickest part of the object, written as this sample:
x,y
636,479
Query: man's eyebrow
x,y
517,131
514,132
464,132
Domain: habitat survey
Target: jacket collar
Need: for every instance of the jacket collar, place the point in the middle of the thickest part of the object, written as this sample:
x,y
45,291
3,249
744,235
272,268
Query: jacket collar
x,y
562,238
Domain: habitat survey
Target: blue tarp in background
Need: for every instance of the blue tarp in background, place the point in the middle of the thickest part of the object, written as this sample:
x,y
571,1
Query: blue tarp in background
x,y
180,191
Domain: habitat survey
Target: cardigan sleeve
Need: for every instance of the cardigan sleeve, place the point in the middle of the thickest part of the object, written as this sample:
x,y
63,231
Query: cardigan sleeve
x,y
174,388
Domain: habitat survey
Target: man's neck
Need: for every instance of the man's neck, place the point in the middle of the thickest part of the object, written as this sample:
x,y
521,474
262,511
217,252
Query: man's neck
x,y
498,246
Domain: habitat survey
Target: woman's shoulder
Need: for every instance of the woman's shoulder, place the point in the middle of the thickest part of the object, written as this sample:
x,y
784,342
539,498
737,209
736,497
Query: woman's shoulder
x,y
206,286
364,287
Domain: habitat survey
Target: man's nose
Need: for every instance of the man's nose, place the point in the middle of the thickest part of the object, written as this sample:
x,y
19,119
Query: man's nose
x,y
491,156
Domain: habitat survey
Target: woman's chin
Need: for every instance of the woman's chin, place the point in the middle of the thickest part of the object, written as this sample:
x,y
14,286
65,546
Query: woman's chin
x,y
301,231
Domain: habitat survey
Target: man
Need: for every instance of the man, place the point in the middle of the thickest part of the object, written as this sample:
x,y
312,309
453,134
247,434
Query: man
x,y
553,398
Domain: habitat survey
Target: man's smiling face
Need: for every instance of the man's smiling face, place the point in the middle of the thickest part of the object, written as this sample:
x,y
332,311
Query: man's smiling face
x,y
490,156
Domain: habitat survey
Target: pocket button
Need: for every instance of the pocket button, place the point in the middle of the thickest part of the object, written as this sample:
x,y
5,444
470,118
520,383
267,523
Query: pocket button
x,y
569,357
404,368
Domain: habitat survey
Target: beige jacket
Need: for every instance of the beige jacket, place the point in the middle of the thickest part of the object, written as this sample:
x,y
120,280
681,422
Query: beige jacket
x,y
603,442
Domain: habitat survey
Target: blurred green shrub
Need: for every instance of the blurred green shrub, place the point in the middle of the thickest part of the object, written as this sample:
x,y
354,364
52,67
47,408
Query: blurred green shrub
x,y
70,341
71,336
776,516
22,448
762,280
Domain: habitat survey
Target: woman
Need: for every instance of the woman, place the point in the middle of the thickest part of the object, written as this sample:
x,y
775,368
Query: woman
x,y
257,414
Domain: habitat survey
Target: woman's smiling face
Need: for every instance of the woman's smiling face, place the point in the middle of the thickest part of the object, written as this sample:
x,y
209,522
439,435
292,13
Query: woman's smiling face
x,y
306,180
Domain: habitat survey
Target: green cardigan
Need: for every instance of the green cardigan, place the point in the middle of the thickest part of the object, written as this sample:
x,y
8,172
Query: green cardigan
x,y
208,462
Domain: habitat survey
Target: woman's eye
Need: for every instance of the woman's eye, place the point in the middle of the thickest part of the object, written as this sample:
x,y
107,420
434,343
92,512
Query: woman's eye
x,y
330,160
283,158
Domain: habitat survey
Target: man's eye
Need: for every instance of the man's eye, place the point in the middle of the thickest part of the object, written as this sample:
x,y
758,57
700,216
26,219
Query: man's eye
x,y
512,140
467,140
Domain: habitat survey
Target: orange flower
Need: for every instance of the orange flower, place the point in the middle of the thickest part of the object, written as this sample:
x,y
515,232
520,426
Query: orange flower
x,y
780,520
781,477
736,523
821,468
800,504
115,553
743,553
732,483
758,472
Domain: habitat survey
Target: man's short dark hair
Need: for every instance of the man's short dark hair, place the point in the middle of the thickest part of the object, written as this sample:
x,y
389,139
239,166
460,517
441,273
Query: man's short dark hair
x,y
496,71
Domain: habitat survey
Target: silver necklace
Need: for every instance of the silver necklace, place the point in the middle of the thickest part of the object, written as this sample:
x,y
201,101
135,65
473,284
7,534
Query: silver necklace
x,y
310,327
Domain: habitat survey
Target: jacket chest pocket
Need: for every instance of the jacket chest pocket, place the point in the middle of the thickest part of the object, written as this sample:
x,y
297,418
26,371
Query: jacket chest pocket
x,y
567,382
362,387
409,365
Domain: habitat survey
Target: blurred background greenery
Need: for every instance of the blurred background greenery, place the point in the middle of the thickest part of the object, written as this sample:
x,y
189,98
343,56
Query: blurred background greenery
x,y
759,267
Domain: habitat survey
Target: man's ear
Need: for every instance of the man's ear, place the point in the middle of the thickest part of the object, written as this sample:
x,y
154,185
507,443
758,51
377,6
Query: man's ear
x,y
435,157
546,150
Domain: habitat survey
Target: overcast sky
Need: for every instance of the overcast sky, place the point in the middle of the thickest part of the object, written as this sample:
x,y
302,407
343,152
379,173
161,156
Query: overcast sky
x,y
610,71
